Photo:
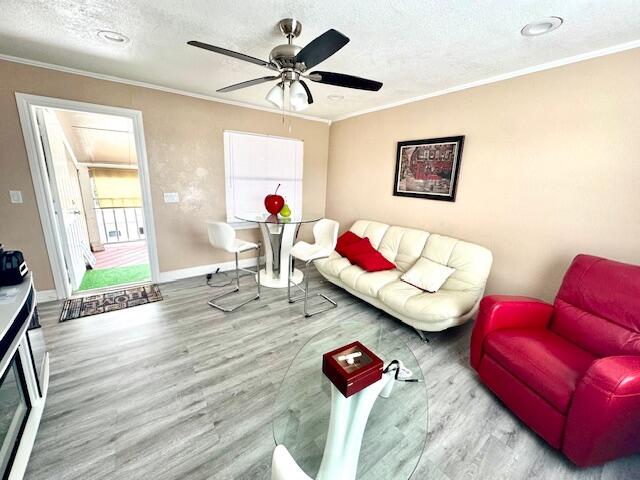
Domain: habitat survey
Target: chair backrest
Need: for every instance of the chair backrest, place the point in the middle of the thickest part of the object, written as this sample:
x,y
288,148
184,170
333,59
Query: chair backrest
x,y
221,235
325,233
598,306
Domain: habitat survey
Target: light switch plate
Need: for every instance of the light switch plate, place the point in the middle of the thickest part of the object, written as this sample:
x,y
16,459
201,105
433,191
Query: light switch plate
x,y
16,196
171,197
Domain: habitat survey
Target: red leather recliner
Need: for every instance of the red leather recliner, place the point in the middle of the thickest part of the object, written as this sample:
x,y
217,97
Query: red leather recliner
x,y
571,371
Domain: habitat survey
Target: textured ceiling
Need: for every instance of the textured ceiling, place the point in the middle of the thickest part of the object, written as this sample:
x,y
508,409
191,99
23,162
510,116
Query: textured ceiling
x,y
414,46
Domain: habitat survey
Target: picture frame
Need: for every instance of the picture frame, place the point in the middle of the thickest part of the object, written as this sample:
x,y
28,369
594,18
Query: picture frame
x,y
428,168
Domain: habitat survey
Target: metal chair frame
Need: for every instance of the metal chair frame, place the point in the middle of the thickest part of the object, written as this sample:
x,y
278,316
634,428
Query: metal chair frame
x,y
236,289
305,290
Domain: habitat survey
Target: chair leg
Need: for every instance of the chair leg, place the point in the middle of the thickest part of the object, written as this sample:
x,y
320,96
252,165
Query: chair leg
x,y
422,334
306,289
258,267
305,295
291,300
237,272
236,289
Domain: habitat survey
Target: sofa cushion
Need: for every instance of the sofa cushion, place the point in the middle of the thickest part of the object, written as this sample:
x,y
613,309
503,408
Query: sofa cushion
x,y
346,239
427,275
422,306
333,265
368,283
598,306
374,231
548,364
472,262
403,246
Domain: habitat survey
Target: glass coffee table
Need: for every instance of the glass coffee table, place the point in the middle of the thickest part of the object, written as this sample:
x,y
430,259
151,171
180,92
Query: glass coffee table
x,y
308,408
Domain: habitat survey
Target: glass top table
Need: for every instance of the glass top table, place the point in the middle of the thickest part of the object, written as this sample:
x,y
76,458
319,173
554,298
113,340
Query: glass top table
x,y
305,411
295,218
278,235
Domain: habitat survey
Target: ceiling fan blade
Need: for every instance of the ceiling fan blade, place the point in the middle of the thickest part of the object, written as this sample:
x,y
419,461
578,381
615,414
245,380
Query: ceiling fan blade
x,y
231,53
248,83
306,89
321,48
343,80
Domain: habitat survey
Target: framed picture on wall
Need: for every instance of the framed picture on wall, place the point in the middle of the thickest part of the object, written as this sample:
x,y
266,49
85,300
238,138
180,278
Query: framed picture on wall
x,y
428,168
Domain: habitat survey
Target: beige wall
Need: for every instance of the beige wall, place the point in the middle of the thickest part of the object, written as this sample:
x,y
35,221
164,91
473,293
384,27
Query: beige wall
x,y
185,151
551,168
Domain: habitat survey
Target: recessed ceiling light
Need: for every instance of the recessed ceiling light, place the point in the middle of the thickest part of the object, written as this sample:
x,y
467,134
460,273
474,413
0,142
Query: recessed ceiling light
x,y
113,37
335,98
542,26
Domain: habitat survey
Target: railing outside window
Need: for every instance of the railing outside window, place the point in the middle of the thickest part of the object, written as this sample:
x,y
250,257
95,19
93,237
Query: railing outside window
x,y
119,219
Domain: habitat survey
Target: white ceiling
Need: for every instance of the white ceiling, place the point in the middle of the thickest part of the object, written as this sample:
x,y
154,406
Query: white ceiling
x,y
414,46
99,139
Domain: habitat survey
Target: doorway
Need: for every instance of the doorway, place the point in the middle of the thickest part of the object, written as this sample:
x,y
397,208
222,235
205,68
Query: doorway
x,y
94,197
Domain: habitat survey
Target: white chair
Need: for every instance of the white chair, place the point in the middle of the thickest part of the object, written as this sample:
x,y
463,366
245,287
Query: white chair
x,y
325,233
223,236
284,467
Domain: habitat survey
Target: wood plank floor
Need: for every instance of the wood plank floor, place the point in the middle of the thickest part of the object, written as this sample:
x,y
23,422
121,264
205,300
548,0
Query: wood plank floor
x,y
165,391
122,254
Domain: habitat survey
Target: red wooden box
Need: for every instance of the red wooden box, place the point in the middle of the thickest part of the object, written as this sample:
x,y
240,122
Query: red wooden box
x,y
350,379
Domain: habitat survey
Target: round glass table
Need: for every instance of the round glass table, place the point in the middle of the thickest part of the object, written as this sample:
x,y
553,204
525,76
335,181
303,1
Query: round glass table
x,y
278,235
320,437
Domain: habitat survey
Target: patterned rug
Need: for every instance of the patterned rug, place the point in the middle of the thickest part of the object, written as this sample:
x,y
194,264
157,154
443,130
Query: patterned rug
x,y
110,301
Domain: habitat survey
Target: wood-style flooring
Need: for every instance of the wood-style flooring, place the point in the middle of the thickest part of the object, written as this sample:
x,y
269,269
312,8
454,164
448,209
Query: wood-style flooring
x,y
122,254
176,390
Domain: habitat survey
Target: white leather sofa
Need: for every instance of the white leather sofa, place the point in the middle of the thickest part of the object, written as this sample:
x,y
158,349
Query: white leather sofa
x,y
453,304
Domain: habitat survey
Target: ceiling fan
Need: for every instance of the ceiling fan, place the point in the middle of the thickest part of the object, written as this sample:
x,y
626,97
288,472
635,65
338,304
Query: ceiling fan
x,y
292,64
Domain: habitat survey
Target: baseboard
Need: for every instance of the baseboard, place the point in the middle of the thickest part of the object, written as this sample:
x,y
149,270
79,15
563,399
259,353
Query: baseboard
x,y
46,296
173,275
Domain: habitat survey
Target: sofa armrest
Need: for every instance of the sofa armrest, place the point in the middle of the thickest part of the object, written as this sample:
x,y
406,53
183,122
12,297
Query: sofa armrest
x,y
604,419
498,312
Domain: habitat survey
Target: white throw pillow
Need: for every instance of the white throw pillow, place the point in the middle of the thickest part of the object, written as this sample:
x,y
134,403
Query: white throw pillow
x,y
427,275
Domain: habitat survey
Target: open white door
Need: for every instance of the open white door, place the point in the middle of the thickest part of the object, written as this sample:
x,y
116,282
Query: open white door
x,y
67,199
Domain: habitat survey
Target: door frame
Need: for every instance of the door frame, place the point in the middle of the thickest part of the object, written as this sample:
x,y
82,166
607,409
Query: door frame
x,y
37,163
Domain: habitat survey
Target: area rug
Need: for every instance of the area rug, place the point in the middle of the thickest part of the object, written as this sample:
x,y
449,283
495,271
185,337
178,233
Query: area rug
x,y
109,301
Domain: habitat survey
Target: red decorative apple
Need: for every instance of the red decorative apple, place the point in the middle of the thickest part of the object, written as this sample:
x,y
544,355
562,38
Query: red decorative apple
x,y
274,202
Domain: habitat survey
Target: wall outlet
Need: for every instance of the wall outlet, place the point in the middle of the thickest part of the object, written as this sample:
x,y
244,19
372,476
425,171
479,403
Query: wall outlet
x,y
171,197
16,196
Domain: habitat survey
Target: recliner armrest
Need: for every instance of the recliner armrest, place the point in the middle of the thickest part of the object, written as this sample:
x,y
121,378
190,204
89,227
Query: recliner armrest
x,y
498,312
618,375
604,419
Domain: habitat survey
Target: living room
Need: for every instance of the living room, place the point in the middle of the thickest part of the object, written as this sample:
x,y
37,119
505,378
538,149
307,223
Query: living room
x,y
461,200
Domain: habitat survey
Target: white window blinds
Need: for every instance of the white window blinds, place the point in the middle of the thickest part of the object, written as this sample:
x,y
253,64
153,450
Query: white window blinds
x,y
254,166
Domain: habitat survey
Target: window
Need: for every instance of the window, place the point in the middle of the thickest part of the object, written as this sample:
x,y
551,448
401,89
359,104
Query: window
x,y
254,166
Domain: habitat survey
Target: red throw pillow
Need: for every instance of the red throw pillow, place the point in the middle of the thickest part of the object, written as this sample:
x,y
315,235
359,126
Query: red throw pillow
x,y
363,254
355,249
374,262
346,239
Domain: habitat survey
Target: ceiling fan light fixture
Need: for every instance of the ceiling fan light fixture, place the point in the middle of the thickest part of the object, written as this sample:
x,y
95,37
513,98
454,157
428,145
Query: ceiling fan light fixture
x,y
297,96
276,95
293,64
299,107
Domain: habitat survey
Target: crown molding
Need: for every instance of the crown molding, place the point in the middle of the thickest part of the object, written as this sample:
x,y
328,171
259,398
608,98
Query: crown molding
x,y
498,78
109,78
